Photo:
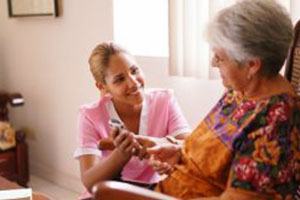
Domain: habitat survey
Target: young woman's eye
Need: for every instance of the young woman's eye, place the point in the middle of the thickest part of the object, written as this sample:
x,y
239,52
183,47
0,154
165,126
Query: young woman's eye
x,y
119,80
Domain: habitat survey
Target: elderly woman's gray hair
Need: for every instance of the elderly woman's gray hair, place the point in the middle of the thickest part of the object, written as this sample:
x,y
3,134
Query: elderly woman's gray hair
x,y
253,28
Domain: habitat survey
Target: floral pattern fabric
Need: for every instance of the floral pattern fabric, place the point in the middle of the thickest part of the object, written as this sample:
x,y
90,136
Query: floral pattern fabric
x,y
266,158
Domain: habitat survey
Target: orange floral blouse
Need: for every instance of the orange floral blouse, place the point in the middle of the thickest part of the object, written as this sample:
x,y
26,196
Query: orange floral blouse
x,y
252,145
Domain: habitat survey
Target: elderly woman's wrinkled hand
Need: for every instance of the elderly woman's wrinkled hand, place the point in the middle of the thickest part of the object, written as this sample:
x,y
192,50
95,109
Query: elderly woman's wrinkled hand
x,y
148,142
160,167
163,157
145,143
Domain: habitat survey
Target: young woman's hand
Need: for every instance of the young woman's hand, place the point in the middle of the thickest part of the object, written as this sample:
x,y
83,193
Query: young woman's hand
x,y
125,142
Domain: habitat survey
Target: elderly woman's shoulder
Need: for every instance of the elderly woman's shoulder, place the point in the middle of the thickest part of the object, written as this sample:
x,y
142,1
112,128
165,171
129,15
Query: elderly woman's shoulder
x,y
281,109
284,99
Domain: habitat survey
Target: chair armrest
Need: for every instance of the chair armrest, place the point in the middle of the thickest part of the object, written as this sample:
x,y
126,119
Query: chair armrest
x,y
113,190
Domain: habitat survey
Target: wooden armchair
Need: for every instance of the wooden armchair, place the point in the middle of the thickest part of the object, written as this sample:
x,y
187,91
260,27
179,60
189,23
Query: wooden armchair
x,y
113,190
292,68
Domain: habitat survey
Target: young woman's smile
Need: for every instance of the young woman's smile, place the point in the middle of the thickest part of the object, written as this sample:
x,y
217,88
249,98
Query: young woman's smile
x,y
124,80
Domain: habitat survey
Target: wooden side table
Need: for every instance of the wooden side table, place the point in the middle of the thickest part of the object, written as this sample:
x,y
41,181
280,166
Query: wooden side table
x,y
14,162
8,185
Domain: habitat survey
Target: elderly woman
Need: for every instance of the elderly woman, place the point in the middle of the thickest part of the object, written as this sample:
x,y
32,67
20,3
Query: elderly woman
x,y
247,147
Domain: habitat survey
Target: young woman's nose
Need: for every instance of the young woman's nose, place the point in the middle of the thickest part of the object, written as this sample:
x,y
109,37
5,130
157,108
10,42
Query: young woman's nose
x,y
132,81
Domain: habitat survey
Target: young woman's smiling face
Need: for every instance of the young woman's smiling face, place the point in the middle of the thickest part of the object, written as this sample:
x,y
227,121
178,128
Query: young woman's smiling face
x,y
124,80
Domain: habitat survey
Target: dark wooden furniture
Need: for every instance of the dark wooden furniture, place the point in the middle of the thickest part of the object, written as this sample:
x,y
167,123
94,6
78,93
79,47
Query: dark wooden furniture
x,y
14,162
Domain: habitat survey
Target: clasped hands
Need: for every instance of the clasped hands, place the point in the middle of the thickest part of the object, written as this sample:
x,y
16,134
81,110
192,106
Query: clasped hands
x,y
158,152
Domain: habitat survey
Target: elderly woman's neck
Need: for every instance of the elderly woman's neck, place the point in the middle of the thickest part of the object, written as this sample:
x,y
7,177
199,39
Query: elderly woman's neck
x,y
266,86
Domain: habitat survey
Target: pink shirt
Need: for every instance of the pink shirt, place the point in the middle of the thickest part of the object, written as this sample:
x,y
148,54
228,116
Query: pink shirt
x,y
160,116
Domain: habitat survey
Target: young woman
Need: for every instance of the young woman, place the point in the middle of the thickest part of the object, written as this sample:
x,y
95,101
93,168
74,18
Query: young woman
x,y
145,112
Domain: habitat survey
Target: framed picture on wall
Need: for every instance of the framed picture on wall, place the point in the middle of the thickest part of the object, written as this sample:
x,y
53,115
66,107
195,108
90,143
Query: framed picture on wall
x,y
27,8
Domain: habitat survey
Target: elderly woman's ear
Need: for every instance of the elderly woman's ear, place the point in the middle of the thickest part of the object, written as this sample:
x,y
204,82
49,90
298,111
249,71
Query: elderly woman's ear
x,y
255,65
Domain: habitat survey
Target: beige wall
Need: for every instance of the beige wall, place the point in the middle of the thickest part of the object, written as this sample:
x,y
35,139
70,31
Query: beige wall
x,y
46,60
1,65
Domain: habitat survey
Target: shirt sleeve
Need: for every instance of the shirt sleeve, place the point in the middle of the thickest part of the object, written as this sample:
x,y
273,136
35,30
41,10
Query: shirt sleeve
x,y
88,137
265,157
177,123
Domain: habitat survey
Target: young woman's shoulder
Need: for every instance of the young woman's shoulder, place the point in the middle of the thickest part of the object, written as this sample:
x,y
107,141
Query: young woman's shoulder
x,y
95,106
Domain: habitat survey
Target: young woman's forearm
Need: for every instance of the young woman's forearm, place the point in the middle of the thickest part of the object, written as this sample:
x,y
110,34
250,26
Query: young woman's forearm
x,y
104,170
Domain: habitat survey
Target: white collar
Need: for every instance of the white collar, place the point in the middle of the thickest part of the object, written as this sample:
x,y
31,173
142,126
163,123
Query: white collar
x,y
143,126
